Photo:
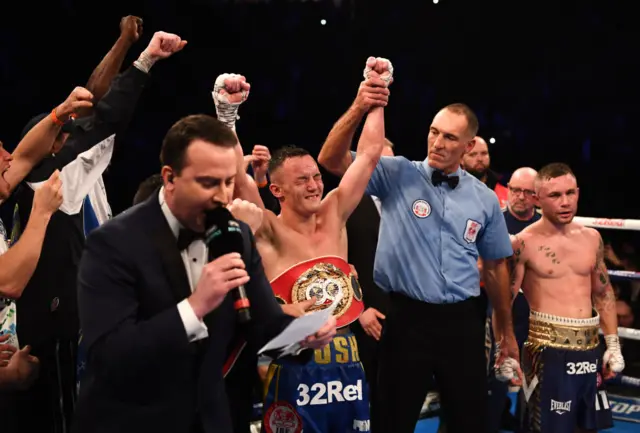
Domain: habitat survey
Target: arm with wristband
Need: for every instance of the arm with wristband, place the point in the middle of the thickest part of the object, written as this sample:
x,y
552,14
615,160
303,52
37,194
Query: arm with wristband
x,y
36,144
113,112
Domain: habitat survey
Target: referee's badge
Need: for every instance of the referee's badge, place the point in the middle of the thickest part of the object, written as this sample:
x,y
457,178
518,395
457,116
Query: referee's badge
x,y
471,231
421,208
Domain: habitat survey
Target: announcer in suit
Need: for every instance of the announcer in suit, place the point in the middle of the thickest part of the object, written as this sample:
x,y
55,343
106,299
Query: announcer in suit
x,y
157,320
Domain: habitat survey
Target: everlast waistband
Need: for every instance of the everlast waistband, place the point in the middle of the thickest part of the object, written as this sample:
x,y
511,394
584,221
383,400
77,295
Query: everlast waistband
x,y
562,332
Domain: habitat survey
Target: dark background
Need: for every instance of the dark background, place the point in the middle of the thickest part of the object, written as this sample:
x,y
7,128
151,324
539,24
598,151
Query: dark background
x,y
551,81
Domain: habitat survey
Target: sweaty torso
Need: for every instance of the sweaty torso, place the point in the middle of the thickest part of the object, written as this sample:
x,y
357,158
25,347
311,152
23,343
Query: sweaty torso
x,y
285,246
558,269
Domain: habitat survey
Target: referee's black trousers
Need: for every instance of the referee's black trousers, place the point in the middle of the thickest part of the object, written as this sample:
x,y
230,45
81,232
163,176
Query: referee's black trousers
x,y
422,342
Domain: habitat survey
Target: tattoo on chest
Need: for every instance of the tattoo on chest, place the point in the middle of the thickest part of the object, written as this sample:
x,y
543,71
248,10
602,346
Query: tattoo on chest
x,y
549,253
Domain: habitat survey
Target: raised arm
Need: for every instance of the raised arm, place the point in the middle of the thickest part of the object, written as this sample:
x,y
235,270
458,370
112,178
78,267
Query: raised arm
x,y
19,262
334,155
113,112
36,144
604,301
356,178
229,92
354,182
102,76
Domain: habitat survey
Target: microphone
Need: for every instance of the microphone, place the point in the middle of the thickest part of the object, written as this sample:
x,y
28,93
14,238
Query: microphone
x,y
223,235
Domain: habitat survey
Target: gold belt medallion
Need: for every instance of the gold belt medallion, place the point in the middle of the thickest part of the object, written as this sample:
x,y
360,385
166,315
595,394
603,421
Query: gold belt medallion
x,y
327,283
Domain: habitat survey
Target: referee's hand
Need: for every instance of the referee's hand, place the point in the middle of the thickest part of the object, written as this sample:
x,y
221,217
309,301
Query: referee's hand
x,y
370,322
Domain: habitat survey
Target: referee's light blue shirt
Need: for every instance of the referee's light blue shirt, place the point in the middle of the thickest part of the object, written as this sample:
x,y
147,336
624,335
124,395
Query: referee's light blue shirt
x,y
430,236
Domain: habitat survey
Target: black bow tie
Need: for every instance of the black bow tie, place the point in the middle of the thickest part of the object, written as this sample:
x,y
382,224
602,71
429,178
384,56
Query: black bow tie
x,y
187,237
437,178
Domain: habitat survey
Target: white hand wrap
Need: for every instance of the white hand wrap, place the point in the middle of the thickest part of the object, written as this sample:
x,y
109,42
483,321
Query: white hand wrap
x,y
507,370
386,78
613,354
145,62
226,111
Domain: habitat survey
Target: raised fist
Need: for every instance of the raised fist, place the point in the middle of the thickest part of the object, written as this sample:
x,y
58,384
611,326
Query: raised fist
x,y
131,28
246,212
79,99
163,45
229,91
260,162
378,67
48,198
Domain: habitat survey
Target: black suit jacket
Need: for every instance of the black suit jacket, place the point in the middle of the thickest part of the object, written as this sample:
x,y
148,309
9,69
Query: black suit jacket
x,y
54,281
142,374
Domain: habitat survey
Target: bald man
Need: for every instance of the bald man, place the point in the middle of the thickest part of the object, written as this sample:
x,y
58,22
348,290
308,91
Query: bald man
x,y
521,211
478,163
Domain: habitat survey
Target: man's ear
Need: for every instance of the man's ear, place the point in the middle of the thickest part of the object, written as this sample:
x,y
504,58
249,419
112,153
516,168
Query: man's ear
x,y
276,190
168,177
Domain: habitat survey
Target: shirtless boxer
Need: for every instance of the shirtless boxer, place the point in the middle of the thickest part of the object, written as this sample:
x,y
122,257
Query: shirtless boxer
x,y
559,265
304,252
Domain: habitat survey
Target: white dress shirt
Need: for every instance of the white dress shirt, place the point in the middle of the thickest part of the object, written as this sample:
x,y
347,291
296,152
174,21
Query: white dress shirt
x,y
194,258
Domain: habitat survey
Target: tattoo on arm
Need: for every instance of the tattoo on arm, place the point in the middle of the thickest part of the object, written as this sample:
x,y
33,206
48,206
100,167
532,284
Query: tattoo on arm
x,y
603,296
518,249
517,252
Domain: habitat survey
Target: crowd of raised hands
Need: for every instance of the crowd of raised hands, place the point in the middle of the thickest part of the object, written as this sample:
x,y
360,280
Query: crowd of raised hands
x,y
17,366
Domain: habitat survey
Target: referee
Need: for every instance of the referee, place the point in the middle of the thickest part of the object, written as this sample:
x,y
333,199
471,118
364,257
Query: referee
x,y
436,220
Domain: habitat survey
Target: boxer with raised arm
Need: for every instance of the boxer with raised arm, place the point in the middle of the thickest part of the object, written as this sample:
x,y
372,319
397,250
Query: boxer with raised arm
x,y
304,252
559,264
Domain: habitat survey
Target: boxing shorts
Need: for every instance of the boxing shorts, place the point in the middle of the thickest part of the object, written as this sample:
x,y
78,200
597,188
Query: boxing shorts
x,y
328,394
563,386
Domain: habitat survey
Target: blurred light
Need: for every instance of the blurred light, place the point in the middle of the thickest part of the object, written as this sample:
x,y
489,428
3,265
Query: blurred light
x,y
492,140
323,22
435,2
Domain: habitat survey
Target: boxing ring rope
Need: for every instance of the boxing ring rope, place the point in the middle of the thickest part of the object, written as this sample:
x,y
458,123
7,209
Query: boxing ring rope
x,y
609,223
431,407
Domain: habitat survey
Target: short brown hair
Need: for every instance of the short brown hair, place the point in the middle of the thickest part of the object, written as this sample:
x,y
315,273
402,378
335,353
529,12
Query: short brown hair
x,y
472,120
281,155
188,129
552,171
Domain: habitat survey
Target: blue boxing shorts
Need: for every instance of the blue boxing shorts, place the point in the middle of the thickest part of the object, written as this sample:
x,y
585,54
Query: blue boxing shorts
x,y
563,389
328,394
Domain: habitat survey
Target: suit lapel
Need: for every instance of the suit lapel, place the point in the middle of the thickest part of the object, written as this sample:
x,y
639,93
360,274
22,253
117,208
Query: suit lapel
x,y
167,246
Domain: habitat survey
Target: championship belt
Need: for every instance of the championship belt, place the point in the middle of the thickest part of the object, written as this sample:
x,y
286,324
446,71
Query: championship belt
x,y
327,278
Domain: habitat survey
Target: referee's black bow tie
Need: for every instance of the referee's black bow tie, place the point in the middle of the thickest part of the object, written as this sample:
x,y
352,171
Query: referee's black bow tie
x,y
438,177
186,237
